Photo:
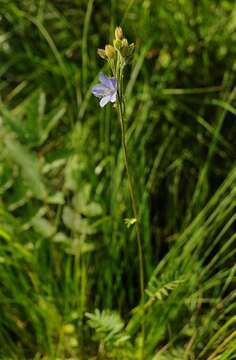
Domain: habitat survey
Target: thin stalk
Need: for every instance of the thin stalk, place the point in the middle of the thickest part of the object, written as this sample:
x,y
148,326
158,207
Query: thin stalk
x,y
121,109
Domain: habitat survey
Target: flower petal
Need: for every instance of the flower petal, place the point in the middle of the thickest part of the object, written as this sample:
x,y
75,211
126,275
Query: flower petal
x,y
110,83
106,91
113,97
113,82
105,100
99,90
104,80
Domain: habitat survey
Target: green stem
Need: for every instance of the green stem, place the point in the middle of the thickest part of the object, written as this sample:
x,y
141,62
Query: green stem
x,y
133,202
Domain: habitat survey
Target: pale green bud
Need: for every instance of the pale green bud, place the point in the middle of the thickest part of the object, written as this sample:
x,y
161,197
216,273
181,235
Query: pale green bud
x,y
127,52
119,33
117,44
125,43
130,49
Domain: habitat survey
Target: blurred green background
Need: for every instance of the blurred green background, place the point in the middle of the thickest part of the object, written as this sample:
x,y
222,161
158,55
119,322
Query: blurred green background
x,y
69,278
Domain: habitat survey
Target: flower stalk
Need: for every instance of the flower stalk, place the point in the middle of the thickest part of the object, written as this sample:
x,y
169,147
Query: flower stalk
x,y
112,90
121,115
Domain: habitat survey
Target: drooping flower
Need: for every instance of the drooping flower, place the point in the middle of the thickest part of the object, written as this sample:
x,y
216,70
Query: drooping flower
x,y
106,91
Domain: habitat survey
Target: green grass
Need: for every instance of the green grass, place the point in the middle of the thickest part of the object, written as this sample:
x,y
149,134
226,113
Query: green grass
x,y
69,272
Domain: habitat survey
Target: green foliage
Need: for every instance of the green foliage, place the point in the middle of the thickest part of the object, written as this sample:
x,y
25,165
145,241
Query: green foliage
x,y
109,331
67,236
158,292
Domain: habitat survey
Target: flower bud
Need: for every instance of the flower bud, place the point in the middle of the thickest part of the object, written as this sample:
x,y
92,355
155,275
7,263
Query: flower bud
x,y
125,43
119,33
117,44
110,51
127,52
102,54
130,50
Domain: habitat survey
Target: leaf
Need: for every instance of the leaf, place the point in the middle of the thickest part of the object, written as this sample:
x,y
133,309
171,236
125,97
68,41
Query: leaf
x,y
43,227
29,121
159,291
29,166
130,221
51,122
75,222
6,177
108,326
57,198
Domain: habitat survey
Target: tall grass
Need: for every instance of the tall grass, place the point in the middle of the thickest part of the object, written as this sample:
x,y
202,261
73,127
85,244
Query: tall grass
x,y
69,278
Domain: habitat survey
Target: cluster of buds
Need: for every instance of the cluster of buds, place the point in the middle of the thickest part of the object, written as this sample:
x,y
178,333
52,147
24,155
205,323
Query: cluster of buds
x,y
120,46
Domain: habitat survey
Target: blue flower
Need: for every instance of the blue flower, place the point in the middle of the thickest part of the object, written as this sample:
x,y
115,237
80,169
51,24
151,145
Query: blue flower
x,y
106,91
